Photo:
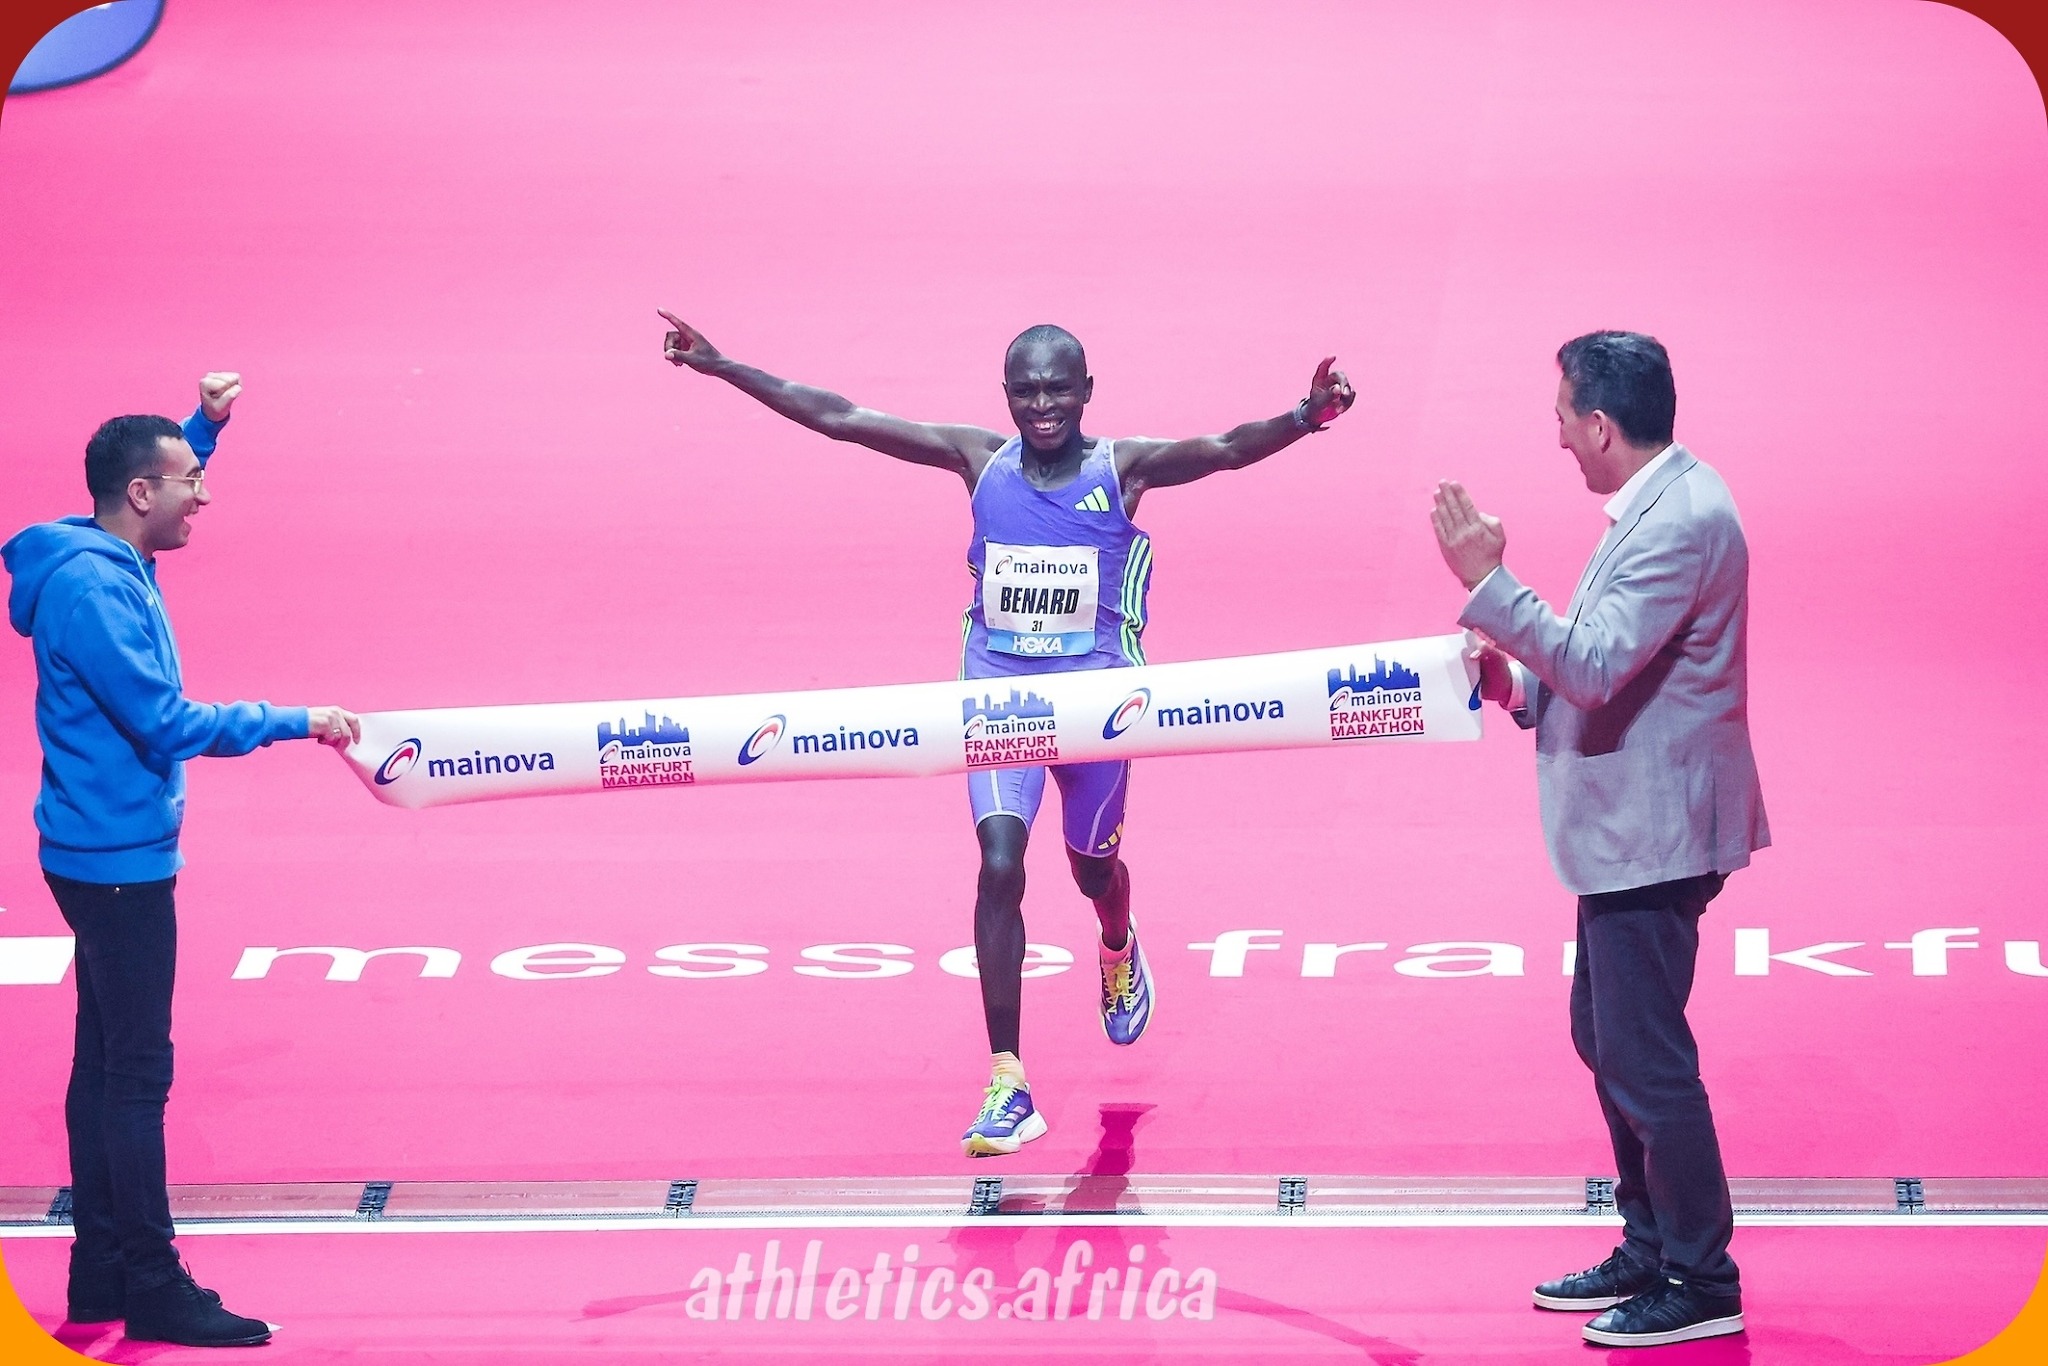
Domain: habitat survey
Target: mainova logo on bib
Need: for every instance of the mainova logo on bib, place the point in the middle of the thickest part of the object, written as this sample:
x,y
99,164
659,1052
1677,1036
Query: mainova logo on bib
x,y
399,762
1020,729
1386,700
1039,600
655,753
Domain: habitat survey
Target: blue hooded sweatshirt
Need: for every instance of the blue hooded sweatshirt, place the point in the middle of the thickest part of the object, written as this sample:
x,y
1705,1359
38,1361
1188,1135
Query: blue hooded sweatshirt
x,y
111,712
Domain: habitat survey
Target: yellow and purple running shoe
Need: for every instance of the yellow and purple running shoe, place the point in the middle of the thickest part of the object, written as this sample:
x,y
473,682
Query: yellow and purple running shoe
x,y
1006,1123
1126,991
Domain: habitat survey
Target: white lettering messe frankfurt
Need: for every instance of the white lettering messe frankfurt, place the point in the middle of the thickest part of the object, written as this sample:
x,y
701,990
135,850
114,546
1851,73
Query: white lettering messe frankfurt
x,y
1405,690
1749,951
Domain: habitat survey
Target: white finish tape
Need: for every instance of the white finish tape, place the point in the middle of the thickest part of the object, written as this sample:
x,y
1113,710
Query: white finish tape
x,y
1400,690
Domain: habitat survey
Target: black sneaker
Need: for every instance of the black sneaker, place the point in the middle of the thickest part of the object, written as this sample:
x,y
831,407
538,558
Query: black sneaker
x,y
96,1294
1618,1278
182,1311
1671,1311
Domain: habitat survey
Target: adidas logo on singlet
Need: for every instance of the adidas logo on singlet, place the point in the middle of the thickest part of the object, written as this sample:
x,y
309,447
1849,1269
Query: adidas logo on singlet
x,y
1096,501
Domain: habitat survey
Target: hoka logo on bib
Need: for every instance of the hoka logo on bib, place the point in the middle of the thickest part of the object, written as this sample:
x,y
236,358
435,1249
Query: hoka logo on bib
x,y
1128,713
399,762
765,737
1018,730
1387,700
479,763
655,753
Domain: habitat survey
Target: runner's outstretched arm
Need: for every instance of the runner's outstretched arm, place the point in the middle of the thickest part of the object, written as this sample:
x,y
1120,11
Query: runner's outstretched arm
x,y
1160,464
963,450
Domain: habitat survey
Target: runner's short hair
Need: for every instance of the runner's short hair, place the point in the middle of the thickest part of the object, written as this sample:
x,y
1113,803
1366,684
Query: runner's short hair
x,y
1045,334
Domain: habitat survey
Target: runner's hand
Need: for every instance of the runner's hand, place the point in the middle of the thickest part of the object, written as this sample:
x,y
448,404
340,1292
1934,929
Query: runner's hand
x,y
686,345
1329,393
333,726
218,391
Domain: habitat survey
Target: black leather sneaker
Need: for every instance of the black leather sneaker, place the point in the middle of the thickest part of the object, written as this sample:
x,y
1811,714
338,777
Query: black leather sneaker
x,y
95,1294
1670,1311
184,1312
1618,1278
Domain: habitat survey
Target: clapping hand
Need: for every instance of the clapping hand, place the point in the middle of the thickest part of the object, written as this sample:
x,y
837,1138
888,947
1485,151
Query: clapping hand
x,y
1329,393
218,390
686,345
1472,542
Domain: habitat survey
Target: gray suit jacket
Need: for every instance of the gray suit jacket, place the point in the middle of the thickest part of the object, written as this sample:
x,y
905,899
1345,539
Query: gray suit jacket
x,y
1640,695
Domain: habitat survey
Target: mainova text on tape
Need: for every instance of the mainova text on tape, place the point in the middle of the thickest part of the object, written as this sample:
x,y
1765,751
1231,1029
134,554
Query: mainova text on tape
x,y
1401,690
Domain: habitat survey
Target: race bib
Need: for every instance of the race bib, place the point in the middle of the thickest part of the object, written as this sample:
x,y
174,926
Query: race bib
x,y
1039,599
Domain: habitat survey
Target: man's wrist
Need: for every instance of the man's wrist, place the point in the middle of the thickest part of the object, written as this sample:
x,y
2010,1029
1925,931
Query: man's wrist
x,y
1302,421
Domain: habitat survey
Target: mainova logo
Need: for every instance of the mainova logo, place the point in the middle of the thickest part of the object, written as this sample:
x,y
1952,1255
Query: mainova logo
x,y
1018,729
399,762
1393,681
1385,700
1209,712
765,737
1128,713
655,753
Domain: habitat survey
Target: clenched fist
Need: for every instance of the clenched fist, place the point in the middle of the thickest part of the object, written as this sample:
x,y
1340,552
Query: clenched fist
x,y
218,391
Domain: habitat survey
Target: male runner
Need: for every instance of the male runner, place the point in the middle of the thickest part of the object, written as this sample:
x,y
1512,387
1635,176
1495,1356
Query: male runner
x,y
1048,497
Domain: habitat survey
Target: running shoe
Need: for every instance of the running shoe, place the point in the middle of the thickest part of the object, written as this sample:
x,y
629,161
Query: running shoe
x,y
1006,1123
1126,992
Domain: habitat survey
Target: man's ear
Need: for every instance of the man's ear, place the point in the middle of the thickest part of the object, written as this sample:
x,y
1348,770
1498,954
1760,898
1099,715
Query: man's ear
x,y
141,495
1087,388
1604,429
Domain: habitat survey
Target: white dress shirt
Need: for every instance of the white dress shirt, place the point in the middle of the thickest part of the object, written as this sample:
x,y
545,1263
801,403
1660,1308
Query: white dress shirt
x,y
1518,690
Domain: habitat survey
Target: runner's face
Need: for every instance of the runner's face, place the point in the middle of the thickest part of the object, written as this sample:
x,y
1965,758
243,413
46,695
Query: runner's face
x,y
1047,390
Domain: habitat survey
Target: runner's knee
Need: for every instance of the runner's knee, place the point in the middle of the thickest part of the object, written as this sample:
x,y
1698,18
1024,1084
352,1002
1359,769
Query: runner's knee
x,y
1092,874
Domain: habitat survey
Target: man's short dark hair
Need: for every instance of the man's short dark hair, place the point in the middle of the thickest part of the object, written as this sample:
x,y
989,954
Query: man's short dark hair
x,y
124,448
1627,376
1045,334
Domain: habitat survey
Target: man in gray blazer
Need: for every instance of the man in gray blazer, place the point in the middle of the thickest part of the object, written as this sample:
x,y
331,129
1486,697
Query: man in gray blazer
x,y
1638,694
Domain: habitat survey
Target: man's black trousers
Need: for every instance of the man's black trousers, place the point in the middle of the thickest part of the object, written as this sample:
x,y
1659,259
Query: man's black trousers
x,y
126,958
1636,953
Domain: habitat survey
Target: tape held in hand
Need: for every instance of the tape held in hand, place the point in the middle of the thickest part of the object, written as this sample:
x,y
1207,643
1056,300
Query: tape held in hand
x,y
1404,690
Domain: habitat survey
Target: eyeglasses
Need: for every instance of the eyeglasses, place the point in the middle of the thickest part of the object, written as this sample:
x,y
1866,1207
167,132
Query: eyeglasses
x,y
197,481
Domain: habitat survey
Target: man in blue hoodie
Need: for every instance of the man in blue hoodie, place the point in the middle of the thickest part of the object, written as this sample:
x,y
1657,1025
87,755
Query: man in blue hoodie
x,y
116,728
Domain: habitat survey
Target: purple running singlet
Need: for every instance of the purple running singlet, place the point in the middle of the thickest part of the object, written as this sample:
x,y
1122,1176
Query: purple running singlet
x,y
1060,577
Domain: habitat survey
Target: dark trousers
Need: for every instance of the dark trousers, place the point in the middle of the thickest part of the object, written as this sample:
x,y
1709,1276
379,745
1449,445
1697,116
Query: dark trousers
x,y
126,957
1636,954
